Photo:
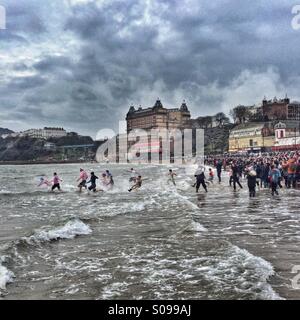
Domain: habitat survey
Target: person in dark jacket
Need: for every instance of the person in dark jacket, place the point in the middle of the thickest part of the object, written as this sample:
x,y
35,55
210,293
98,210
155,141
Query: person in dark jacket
x,y
265,175
92,180
236,176
259,171
200,180
219,169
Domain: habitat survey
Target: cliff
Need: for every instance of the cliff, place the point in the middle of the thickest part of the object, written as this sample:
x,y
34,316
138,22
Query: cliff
x,y
32,149
23,148
5,131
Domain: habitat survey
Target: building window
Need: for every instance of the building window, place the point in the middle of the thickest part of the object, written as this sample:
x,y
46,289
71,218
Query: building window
x,y
251,142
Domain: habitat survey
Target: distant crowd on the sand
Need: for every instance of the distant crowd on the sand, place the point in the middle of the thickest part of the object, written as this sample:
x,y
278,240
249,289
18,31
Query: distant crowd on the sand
x,y
266,170
269,170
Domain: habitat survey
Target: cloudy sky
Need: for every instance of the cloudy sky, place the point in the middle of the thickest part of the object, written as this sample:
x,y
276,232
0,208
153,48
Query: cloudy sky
x,y
81,63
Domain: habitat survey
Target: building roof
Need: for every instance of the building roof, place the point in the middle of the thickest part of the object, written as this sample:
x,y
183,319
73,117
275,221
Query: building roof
x,y
158,106
249,125
288,124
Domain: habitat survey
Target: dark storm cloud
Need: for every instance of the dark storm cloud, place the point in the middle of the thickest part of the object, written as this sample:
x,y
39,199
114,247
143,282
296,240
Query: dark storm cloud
x,y
83,95
114,53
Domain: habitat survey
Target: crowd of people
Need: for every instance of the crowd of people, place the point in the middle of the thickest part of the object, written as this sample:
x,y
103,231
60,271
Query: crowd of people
x,y
267,170
270,170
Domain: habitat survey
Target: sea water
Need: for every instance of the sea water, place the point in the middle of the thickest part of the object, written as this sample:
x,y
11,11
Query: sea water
x,y
162,242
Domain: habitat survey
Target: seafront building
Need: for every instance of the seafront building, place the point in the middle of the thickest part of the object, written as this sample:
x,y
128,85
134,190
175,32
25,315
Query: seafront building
x,y
45,133
287,136
251,137
158,117
273,125
159,121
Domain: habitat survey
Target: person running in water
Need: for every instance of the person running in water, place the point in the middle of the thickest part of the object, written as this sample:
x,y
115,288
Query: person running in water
x,y
172,176
235,176
251,177
56,182
105,182
200,180
219,169
110,178
44,181
137,185
210,175
274,177
82,178
133,175
92,180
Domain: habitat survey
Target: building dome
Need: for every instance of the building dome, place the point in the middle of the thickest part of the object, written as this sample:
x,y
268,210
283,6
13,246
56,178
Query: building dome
x,y
131,109
184,106
158,105
280,125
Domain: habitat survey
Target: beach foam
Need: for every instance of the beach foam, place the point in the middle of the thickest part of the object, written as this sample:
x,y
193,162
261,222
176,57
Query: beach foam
x,y
248,273
70,230
6,276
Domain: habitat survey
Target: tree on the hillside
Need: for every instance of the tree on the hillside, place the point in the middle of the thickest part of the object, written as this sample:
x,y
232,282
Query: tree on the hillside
x,y
221,119
257,116
205,122
240,114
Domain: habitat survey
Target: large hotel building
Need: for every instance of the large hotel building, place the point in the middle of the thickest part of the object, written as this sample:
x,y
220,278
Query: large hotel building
x,y
158,117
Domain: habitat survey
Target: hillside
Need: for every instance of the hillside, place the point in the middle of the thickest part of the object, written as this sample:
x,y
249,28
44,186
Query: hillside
x,y
5,131
32,149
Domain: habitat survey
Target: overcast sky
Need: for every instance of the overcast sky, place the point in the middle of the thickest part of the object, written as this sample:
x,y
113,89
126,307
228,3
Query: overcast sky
x,y
80,64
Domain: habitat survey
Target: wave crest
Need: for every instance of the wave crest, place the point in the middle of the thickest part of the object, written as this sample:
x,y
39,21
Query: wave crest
x,y
70,230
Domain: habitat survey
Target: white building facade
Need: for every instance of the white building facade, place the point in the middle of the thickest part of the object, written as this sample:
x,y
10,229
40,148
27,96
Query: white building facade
x,y
45,133
286,137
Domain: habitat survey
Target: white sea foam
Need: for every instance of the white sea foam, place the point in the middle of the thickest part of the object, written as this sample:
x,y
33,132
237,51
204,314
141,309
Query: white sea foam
x,y
248,273
6,276
115,209
263,271
5,192
70,230
197,227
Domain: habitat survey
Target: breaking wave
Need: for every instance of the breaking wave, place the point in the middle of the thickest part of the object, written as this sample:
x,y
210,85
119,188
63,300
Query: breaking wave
x,y
6,276
248,273
70,230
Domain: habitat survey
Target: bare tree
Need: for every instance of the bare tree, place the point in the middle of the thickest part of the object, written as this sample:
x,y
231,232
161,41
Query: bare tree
x,y
240,114
221,118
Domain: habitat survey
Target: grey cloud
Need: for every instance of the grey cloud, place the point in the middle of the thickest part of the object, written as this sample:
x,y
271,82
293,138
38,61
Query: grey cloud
x,y
194,52
23,83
